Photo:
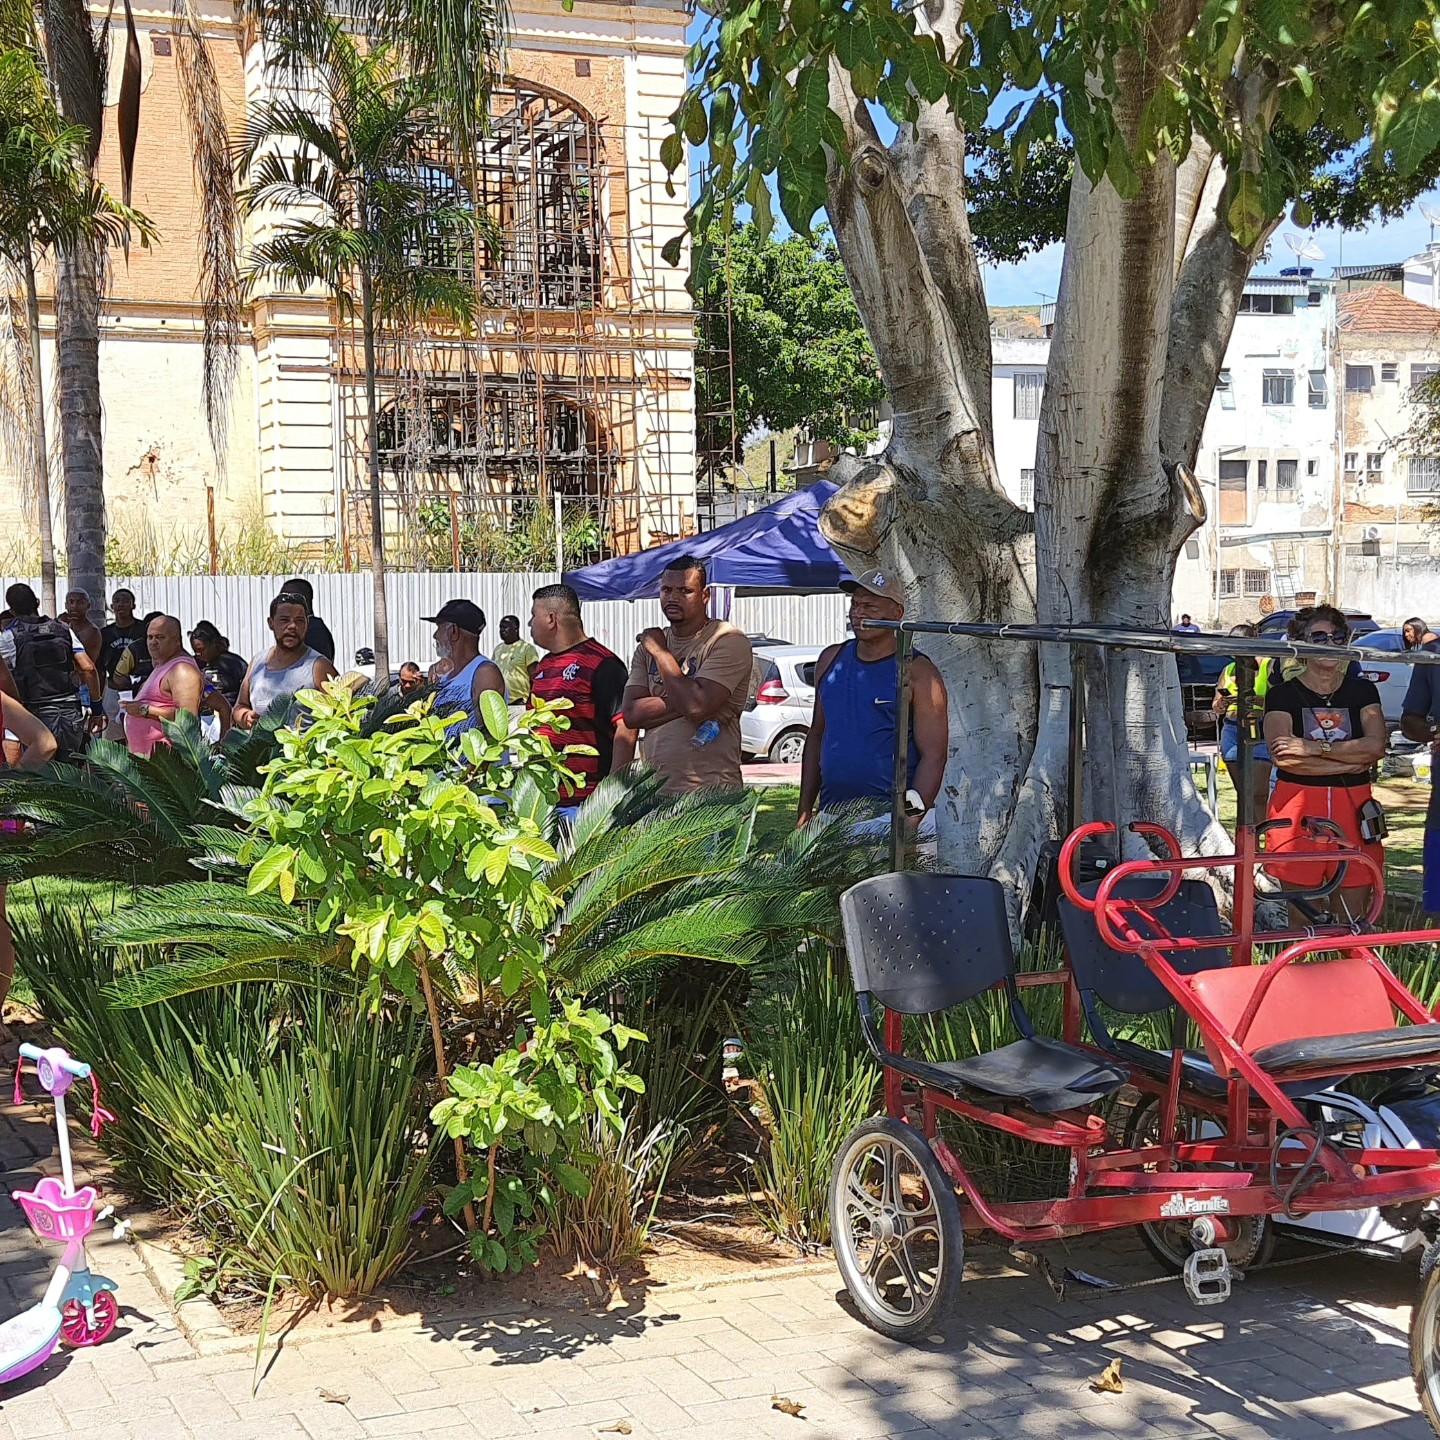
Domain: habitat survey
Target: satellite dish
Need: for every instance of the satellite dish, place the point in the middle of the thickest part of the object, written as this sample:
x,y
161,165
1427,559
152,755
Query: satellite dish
x,y
1304,247
1432,214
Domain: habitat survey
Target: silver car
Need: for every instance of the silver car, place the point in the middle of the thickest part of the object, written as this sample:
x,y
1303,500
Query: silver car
x,y
782,703
1391,680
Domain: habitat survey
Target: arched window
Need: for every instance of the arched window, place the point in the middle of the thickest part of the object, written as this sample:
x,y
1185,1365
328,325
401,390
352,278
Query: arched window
x,y
538,188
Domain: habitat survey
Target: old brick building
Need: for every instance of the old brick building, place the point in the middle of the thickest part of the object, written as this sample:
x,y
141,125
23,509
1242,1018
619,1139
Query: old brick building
x,y
577,383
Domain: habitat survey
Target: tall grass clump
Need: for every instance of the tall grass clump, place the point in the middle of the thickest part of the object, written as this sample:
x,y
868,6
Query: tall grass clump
x,y
816,1081
286,1128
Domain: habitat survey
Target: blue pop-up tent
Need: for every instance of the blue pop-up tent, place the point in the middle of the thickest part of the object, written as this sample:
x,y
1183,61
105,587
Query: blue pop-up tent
x,y
777,548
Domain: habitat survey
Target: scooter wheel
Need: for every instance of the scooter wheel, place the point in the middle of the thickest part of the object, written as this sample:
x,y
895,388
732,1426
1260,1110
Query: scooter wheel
x,y
78,1329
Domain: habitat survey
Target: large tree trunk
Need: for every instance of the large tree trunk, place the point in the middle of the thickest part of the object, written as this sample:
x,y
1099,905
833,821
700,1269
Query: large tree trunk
x,y
76,48
931,510
1149,291
39,445
77,305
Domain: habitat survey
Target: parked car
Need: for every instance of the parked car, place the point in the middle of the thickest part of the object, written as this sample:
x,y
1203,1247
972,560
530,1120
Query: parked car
x,y
781,706
1274,624
1391,680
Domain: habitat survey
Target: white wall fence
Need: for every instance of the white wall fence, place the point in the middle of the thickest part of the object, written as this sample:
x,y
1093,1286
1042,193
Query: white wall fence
x,y
239,605
1391,592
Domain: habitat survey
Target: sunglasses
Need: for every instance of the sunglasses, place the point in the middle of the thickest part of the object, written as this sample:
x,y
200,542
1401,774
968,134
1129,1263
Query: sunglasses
x,y
1327,637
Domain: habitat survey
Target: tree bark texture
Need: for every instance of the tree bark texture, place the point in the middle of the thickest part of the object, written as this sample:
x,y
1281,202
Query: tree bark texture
x,y
39,446
77,305
76,47
1149,290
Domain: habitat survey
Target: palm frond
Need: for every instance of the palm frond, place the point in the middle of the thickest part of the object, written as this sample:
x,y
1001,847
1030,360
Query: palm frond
x,y
158,983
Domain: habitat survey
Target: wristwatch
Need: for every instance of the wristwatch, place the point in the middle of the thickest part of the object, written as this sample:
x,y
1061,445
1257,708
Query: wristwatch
x,y
1325,747
145,709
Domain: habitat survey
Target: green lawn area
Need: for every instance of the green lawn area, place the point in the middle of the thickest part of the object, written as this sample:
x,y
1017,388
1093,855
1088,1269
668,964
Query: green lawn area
x,y
1404,803
23,901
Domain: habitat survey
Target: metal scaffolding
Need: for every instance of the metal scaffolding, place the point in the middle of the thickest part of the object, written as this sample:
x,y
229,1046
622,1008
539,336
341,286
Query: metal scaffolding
x,y
554,419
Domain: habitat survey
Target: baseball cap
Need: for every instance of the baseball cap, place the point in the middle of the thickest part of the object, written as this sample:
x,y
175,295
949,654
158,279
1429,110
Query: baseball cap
x,y
463,614
877,582
207,631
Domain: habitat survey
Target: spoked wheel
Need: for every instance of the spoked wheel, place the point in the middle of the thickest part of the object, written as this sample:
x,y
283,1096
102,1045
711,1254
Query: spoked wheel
x,y
895,1225
79,1329
1169,1240
1425,1347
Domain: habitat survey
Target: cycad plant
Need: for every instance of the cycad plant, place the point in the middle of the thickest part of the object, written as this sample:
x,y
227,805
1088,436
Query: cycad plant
x,y
363,219
136,819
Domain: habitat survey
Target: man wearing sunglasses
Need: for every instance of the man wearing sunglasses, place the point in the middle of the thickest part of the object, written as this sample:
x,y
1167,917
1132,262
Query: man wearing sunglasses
x,y
1326,731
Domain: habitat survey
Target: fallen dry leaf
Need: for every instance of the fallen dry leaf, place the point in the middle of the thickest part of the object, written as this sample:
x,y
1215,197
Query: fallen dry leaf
x,y
333,1397
786,1407
1109,1382
620,1427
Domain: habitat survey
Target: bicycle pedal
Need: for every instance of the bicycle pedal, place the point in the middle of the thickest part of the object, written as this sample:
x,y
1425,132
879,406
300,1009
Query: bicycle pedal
x,y
1207,1277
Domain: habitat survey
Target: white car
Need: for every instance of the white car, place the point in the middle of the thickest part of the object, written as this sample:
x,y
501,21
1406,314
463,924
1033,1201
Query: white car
x,y
782,703
1391,680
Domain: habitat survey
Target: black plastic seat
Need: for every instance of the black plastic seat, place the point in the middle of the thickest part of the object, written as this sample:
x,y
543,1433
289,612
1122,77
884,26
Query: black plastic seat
x,y
921,943
1126,984
1366,1048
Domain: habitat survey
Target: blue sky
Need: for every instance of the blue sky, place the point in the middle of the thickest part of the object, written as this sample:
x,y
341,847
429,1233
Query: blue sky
x,y
1036,279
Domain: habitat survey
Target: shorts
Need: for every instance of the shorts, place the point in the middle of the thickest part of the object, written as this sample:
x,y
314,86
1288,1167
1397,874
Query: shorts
x,y
1296,803
1230,745
1431,891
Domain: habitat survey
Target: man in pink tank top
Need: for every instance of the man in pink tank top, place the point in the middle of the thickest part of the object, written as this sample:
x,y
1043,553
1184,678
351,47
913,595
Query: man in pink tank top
x,y
175,684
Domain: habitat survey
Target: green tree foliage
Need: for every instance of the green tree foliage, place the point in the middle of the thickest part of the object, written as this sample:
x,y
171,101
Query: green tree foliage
x,y
801,355
761,94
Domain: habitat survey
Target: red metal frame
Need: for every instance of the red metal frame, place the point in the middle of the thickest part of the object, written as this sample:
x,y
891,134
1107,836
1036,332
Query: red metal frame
x,y
1112,1186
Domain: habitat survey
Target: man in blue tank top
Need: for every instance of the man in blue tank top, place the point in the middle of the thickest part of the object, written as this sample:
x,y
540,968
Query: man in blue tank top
x,y
850,750
458,628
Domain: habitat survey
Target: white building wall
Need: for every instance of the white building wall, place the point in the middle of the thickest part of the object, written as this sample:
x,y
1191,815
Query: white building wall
x,y
1248,424
1016,377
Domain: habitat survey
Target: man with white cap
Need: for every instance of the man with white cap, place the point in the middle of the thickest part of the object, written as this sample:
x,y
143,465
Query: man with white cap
x,y
850,750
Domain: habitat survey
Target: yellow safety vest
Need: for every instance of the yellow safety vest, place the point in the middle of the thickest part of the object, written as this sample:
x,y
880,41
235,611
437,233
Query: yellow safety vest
x,y
1227,684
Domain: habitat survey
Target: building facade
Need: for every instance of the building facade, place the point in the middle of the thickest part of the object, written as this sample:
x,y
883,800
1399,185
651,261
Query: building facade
x,y
574,394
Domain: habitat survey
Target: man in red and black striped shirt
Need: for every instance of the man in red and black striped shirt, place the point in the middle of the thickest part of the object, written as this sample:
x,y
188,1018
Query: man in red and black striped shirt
x,y
582,671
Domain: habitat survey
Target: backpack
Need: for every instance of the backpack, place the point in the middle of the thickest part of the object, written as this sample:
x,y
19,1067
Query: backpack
x,y
44,661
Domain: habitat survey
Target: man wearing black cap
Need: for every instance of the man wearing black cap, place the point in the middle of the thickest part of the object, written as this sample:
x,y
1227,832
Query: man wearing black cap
x,y
458,628
222,668
850,750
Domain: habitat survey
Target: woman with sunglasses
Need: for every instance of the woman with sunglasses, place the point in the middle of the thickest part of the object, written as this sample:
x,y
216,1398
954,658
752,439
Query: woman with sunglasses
x,y
1326,730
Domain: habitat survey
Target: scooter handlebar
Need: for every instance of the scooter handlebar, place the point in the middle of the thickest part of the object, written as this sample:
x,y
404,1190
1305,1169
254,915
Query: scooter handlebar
x,y
57,1057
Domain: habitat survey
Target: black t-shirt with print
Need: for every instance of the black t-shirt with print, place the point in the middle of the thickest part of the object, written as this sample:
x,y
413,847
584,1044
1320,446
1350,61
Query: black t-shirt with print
x,y
115,641
1318,717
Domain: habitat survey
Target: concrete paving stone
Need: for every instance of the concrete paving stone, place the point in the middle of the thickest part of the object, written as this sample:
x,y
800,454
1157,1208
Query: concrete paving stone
x,y
671,1378
608,1382
526,1395
660,1413
422,1422
325,1422
368,1399
34,1412
710,1365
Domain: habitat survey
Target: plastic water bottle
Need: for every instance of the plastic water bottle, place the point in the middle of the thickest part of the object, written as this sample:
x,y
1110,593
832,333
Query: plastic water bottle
x,y
707,734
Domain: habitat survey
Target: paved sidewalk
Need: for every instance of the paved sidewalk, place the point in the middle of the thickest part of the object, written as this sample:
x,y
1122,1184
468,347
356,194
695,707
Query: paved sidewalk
x,y
1301,1352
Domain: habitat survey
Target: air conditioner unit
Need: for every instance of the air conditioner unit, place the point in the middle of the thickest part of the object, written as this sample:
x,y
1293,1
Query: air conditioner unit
x,y
1372,532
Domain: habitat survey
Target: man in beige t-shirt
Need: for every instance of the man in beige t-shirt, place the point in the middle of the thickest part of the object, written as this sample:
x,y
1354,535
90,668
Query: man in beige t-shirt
x,y
687,687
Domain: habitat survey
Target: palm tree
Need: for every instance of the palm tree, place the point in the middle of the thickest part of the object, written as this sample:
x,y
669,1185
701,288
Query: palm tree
x,y
367,224
49,202
459,41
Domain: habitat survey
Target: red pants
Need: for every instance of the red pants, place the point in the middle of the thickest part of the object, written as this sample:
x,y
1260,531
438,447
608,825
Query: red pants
x,y
1341,805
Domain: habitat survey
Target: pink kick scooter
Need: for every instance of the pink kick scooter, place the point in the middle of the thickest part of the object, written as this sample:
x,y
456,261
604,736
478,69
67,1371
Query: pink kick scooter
x,y
78,1307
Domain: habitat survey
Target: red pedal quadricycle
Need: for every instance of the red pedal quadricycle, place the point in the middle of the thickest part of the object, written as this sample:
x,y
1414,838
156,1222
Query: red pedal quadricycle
x,y
1221,1142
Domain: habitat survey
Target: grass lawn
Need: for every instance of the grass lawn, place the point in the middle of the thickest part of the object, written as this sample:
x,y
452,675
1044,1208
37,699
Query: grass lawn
x,y
22,902
1404,802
